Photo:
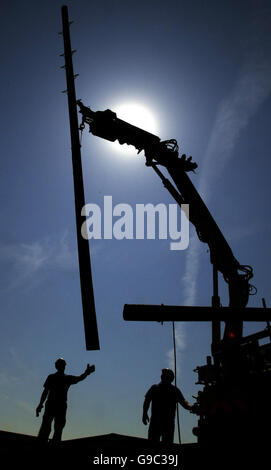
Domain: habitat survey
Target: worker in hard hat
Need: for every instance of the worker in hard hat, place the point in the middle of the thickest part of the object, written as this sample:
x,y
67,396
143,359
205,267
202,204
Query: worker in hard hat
x,y
55,392
164,398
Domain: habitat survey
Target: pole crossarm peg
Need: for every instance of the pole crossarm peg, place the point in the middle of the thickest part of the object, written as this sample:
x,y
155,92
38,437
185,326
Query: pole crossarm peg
x,y
163,313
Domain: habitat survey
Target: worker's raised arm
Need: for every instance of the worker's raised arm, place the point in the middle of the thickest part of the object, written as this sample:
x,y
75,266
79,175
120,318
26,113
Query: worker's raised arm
x,y
89,370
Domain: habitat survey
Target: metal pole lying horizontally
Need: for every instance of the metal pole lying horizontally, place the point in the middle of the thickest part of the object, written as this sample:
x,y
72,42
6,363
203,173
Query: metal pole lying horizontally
x,y
88,303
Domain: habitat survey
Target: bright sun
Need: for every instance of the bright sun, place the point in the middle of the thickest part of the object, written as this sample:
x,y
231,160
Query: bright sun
x,y
138,115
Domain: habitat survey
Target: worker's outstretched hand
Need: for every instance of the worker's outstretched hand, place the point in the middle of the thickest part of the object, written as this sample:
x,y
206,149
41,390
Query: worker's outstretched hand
x,y
90,369
145,418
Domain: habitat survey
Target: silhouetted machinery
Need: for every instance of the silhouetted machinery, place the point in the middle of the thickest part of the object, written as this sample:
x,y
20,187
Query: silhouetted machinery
x,y
235,401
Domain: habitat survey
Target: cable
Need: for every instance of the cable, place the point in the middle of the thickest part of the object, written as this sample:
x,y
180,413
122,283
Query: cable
x,y
175,373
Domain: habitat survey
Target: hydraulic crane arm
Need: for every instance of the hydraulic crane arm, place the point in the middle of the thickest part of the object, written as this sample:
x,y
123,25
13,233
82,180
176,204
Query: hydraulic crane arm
x,y
107,125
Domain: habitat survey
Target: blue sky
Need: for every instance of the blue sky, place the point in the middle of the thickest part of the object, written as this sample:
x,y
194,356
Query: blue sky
x,y
203,68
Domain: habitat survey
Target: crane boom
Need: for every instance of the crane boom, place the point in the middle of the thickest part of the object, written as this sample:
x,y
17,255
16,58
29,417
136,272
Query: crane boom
x,y
107,125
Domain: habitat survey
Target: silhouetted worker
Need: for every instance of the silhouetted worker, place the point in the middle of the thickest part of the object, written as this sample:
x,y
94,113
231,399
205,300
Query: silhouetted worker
x,y
55,390
164,398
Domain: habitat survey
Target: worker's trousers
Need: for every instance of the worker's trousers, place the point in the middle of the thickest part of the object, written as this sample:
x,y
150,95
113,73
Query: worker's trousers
x,y
56,412
161,429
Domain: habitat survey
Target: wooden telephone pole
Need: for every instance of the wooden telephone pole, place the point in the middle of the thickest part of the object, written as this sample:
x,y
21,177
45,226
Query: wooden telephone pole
x,y
88,303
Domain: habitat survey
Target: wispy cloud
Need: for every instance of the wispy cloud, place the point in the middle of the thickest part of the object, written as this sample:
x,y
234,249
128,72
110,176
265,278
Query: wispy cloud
x,y
191,269
180,346
239,233
8,379
233,115
21,263
25,406
251,88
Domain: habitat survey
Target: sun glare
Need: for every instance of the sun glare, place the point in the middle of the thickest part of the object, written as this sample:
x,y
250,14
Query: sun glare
x,y
138,115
